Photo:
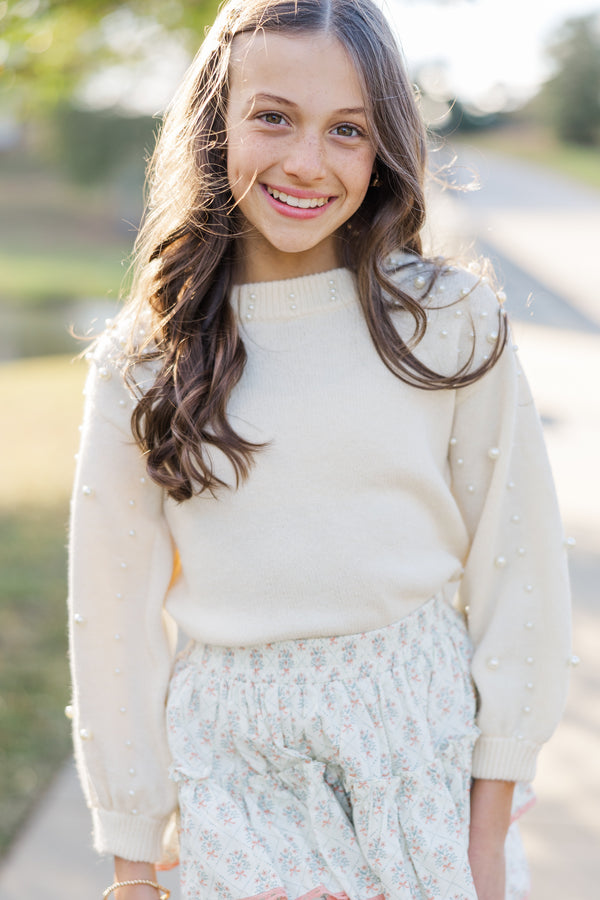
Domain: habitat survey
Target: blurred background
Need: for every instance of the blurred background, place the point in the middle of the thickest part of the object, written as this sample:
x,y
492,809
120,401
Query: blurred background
x,y
511,93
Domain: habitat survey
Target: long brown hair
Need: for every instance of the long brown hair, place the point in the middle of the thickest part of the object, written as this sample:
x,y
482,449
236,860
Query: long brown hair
x,y
184,253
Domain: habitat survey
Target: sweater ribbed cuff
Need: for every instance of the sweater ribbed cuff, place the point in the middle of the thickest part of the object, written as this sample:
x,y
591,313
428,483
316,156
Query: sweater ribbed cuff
x,y
504,759
136,838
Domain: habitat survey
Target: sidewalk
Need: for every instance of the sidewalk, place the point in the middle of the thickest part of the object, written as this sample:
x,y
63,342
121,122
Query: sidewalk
x,y
52,859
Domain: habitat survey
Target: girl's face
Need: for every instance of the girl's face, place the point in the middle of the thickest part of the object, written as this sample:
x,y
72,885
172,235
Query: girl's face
x,y
299,157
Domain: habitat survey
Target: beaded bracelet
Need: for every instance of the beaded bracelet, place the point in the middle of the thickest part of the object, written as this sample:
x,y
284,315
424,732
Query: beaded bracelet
x,y
164,892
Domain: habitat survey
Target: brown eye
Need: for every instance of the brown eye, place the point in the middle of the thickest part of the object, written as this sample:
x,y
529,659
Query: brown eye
x,y
272,118
347,130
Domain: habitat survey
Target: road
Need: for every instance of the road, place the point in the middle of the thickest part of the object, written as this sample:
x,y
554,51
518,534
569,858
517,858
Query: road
x,y
542,234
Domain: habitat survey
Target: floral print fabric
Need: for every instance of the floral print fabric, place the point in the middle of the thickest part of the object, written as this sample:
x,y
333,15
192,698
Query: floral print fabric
x,y
330,767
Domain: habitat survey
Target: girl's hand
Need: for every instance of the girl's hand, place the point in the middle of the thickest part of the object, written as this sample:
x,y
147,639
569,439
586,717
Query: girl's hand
x,y
491,803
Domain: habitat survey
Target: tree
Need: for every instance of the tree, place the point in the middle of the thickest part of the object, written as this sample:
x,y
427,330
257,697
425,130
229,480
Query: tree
x,y
571,98
47,47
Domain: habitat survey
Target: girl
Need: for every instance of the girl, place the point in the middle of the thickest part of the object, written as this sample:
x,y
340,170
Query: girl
x,y
300,439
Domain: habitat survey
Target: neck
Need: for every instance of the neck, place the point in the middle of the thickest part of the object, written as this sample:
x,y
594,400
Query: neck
x,y
257,261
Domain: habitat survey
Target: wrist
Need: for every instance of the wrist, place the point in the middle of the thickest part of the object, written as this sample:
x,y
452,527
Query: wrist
x,y
491,808
135,892
127,870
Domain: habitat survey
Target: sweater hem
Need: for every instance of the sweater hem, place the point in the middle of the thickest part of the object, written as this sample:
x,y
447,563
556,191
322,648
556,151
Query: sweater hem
x,y
132,837
504,759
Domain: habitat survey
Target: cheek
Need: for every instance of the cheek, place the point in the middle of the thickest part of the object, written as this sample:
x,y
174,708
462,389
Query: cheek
x,y
243,164
234,172
360,173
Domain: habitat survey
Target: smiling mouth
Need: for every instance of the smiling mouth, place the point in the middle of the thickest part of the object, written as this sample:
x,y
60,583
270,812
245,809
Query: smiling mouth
x,y
297,202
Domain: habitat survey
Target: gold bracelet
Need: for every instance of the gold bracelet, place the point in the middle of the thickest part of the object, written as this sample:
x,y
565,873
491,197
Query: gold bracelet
x,y
164,892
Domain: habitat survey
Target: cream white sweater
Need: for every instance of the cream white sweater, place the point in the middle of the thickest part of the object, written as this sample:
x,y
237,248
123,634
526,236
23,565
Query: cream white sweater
x,y
371,497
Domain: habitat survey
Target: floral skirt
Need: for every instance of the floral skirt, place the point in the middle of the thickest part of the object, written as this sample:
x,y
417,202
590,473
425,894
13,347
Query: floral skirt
x,y
331,767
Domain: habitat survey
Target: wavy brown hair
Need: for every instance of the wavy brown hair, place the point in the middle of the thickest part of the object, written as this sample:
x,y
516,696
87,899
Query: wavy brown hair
x,y
185,251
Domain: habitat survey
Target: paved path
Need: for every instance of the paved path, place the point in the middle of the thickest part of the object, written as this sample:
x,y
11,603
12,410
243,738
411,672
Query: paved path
x,y
522,215
542,231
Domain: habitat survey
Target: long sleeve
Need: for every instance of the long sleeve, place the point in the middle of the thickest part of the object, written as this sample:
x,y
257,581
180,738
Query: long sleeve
x,y
122,642
515,584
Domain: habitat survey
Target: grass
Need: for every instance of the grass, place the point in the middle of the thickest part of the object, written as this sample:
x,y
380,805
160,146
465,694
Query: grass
x,y
33,667
34,275
41,399
59,241
536,145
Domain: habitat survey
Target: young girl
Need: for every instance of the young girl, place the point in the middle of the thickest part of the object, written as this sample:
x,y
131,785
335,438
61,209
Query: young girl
x,y
301,439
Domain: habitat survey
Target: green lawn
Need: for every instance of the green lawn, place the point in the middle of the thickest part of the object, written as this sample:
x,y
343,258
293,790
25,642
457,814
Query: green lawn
x,y
34,275
59,241
42,401
33,667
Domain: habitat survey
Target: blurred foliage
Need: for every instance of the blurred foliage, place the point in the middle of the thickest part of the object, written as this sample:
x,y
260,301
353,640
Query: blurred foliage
x,y
90,145
61,241
570,100
452,116
48,46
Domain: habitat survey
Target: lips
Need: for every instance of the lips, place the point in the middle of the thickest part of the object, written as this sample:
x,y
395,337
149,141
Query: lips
x,y
297,202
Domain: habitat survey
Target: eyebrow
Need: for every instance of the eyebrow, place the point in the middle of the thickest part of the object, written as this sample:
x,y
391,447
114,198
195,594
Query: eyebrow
x,y
264,96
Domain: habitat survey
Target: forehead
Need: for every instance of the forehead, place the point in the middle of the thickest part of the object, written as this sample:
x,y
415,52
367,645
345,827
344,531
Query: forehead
x,y
304,67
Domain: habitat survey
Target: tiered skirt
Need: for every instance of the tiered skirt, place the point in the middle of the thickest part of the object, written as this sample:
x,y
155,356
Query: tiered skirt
x,y
331,767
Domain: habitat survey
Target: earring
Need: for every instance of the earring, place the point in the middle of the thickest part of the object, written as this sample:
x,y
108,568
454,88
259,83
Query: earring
x,y
375,180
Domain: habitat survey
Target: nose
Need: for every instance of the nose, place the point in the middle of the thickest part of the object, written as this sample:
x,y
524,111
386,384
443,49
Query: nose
x,y
305,159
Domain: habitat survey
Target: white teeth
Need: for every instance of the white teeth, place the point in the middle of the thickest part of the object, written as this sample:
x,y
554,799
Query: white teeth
x,y
297,202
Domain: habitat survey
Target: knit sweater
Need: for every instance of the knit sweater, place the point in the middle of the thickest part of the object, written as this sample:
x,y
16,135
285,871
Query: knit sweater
x,y
370,497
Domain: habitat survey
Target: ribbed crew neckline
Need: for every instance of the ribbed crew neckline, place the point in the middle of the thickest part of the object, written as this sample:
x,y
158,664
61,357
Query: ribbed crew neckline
x,y
293,298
